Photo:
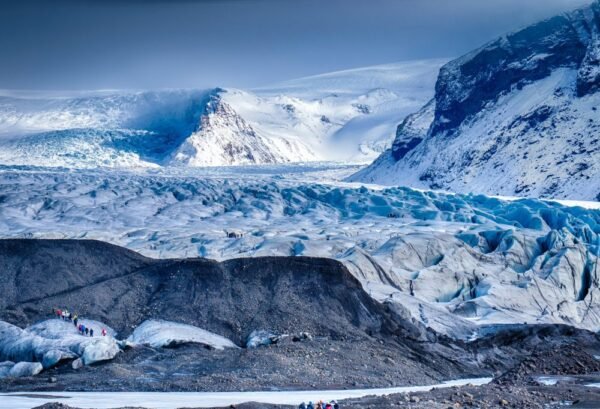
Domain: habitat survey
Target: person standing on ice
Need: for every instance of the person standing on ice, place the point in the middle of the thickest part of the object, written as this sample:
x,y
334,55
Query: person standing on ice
x,y
75,319
91,332
103,332
87,330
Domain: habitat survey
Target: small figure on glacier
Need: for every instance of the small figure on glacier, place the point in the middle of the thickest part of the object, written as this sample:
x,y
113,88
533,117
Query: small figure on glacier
x,y
75,319
91,332
103,332
87,330
310,405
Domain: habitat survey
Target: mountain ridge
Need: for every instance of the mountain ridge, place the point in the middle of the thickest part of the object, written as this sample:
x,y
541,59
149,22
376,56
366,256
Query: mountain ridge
x,y
516,117
342,116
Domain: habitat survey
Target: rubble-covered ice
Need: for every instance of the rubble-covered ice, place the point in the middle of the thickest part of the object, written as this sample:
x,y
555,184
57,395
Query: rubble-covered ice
x,y
159,333
456,262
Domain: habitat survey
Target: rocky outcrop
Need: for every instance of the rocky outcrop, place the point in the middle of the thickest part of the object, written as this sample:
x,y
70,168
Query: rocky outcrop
x,y
466,85
223,137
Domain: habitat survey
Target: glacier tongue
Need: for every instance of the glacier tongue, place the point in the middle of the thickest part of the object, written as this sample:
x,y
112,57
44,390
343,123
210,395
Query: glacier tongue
x,y
477,259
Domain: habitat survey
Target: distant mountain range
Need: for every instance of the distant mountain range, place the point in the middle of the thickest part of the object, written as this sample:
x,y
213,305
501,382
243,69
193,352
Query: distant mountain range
x,y
519,116
347,116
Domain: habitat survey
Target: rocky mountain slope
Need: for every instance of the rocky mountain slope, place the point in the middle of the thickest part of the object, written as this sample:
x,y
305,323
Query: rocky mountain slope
x,y
343,116
518,116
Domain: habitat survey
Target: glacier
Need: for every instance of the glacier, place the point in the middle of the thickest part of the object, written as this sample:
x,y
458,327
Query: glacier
x,y
456,263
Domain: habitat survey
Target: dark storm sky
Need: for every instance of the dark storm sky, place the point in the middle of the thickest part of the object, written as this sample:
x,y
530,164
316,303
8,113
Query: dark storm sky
x,y
141,44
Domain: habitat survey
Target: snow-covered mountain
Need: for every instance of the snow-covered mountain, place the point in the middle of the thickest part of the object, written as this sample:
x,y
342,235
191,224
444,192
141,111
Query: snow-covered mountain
x,y
343,116
518,116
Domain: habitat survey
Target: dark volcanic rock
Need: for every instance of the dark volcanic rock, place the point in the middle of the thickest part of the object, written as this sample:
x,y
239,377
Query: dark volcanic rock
x,y
566,360
355,342
467,84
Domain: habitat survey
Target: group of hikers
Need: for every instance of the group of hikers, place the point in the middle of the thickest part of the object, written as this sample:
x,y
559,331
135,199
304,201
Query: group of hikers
x,y
65,315
320,405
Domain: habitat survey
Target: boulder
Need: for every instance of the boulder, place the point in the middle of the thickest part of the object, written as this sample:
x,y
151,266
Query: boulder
x,y
22,369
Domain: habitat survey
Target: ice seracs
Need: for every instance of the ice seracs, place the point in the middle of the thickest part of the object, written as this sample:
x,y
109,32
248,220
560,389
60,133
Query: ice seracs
x,y
47,343
26,352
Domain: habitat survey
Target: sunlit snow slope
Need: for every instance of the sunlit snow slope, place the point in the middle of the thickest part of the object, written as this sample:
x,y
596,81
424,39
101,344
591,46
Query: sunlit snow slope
x,y
345,116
